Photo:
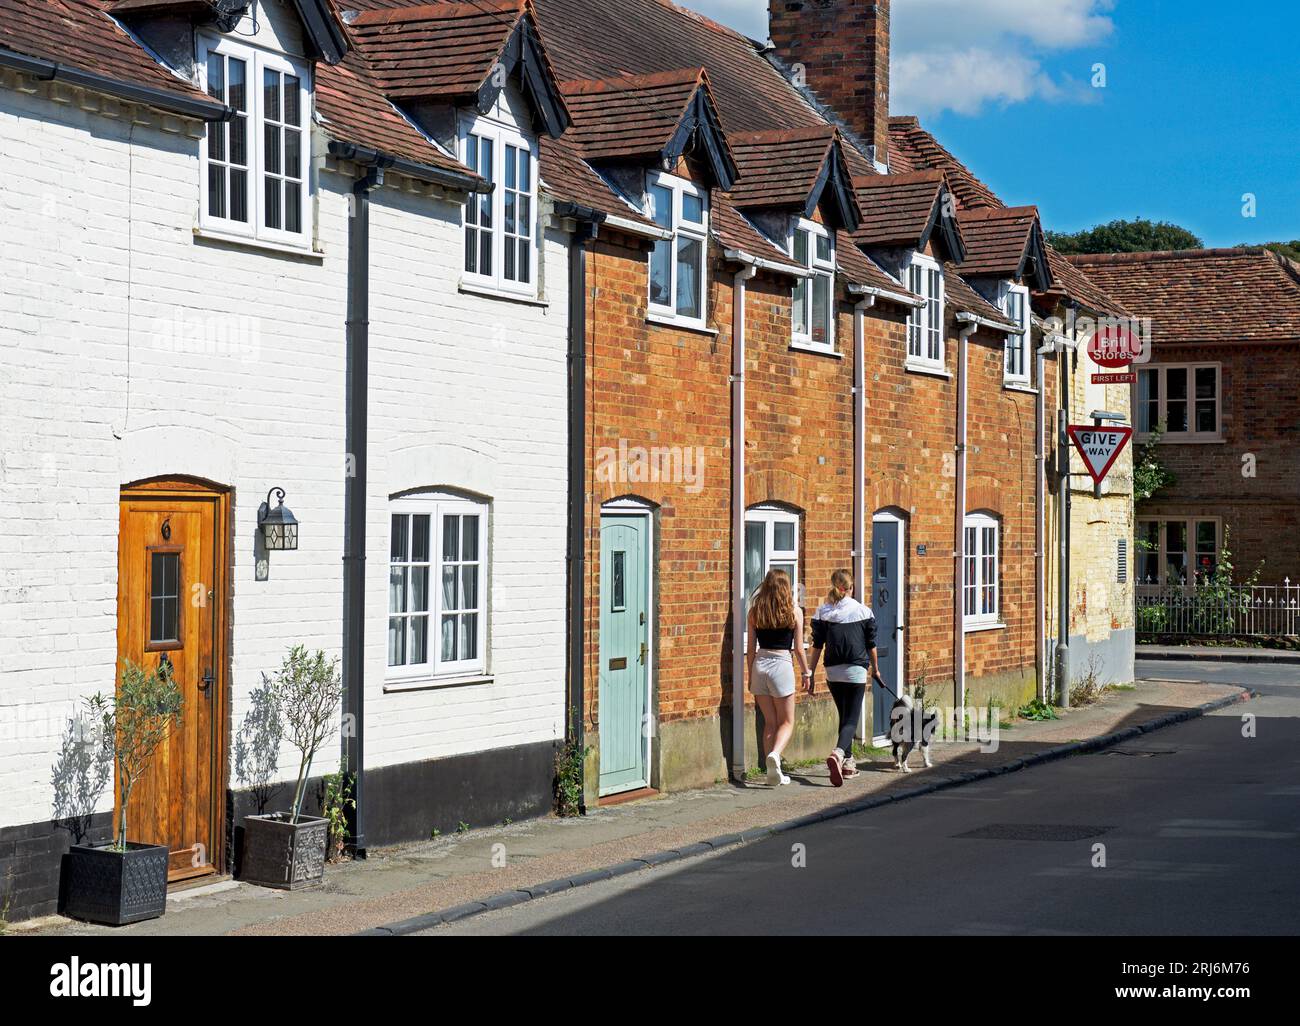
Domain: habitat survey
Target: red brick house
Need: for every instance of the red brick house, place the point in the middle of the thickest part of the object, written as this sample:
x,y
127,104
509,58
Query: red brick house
x,y
1223,384
778,339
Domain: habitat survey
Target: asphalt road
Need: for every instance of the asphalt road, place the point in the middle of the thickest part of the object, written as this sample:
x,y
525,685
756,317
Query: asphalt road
x,y
1200,827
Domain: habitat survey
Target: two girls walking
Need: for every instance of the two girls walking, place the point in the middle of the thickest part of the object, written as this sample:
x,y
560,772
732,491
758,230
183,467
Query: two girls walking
x,y
844,630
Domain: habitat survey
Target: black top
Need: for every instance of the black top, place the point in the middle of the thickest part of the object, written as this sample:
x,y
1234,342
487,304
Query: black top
x,y
780,639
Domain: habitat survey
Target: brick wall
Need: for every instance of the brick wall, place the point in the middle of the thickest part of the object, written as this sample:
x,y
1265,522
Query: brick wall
x,y
1252,479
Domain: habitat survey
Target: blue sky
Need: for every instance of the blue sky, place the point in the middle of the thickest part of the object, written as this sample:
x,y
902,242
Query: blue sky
x,y
1198,108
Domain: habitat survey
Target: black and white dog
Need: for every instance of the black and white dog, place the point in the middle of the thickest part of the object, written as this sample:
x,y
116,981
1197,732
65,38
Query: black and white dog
x,y
908,727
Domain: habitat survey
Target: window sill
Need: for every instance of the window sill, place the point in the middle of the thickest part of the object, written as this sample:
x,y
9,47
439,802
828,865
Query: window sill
x,y
812,350
980,628
397,687
692,326
1176,440
926,369
472,289
209,235
1019,386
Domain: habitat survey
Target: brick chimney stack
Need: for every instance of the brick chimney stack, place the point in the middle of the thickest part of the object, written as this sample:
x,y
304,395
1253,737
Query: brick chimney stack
x,y
842,47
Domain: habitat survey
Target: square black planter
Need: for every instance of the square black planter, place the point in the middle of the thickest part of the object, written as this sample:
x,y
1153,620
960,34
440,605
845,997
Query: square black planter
x,y
284,855
116,887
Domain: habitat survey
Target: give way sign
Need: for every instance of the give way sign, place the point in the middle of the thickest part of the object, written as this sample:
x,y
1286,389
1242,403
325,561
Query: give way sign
x,y
1100,447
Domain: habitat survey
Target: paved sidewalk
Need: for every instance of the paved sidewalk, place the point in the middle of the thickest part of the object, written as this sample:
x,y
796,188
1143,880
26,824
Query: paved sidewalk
x,y
1214,653
397,884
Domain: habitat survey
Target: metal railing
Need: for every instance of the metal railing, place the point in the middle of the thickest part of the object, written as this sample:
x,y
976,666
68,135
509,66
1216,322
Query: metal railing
x,y
1255,611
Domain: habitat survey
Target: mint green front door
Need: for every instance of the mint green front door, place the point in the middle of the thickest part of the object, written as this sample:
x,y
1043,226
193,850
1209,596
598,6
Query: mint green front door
x,y
624,652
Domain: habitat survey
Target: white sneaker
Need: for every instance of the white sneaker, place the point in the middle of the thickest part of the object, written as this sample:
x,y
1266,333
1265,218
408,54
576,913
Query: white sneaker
x,y
775,778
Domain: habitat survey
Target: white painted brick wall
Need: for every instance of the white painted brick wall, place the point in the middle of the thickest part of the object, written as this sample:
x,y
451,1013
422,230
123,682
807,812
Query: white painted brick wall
x,y
98,264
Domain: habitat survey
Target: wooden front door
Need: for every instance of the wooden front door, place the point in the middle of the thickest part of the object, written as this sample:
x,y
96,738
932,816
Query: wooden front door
x,y
171,601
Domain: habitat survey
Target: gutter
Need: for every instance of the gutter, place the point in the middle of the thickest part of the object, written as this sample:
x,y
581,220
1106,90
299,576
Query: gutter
x,y
626,224
976,321
589,221
355,491
743,277
368,157
1040,520
161,99
892,297
739,256
860,546
971,323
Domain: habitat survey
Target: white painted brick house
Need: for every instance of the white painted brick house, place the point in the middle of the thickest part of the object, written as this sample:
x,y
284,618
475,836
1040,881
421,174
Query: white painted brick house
x,y
162,368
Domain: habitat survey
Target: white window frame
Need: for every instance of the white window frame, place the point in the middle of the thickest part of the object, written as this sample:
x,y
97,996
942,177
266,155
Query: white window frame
x,y
805,290
1018,344
769,517
1190,524
982,571
258,62
501,136
437,505
925,325
1161,370
681,229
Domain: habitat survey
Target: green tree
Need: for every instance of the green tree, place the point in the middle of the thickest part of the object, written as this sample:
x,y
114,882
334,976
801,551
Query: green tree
x,y
1136,236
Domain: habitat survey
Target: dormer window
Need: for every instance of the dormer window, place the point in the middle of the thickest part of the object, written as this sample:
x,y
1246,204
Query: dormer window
x,y
1015,304
501,237
255,166
678,266
812,247
924,277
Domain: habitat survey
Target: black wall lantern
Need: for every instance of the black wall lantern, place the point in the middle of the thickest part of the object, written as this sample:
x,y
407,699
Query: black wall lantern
x,y
279,526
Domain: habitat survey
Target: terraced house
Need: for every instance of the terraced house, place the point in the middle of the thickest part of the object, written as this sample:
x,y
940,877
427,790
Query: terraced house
x,y
557,325
233,267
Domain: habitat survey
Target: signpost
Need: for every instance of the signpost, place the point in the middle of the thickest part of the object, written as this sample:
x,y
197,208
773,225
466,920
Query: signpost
x,y
1115,347
1100,447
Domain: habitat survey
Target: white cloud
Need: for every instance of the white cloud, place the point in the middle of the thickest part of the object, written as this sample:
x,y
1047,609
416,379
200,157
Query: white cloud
x,y
961,55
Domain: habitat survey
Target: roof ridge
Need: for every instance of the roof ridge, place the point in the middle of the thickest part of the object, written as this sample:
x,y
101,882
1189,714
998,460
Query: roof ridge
x,y
440,11
1168,254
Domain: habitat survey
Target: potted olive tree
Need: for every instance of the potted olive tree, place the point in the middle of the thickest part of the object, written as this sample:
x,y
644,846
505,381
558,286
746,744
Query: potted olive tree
x,y
125,882
286,850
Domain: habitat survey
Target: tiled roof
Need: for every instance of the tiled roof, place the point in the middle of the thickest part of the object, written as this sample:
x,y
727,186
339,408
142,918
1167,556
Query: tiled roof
x,y
961,298
630,116
859,269
1068,280
996,240
80,34
443,50
594,39
897,209
912,148
353,110
570,178
1205,295
780,167
734,231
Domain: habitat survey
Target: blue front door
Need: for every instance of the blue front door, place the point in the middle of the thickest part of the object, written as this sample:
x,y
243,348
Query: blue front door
x,y
886,603
624,652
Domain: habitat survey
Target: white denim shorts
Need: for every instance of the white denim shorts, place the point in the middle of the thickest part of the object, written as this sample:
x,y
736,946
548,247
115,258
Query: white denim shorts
x,y
773,674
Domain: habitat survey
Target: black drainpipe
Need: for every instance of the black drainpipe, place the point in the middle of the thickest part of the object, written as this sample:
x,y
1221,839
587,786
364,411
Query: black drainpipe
x,y
588,224
354,544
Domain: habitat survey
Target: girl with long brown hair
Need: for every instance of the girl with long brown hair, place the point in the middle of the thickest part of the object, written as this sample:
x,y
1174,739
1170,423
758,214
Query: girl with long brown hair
x,y
775,633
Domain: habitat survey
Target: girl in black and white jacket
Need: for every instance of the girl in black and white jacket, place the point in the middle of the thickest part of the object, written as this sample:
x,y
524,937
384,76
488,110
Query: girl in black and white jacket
x,y
845,630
